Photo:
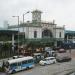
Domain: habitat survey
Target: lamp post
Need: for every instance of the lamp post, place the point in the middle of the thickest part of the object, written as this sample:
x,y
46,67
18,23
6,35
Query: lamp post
x,y
23,24
18,31
55,43
23,16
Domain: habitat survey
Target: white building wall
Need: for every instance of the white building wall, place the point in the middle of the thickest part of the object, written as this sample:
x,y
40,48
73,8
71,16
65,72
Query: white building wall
x,y
58,33
63,34
49,27
20,29
39,34
23,29
14,29
31,32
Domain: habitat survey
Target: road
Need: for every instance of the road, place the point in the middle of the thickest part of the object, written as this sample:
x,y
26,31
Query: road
x,y
54,69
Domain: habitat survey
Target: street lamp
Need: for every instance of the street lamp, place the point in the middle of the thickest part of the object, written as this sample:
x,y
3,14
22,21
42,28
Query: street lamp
x,y
23,24
18,31
23,16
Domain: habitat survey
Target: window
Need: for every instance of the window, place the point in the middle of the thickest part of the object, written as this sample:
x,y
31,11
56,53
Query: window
x,y
35,34
14,64
24,62
51,58
19,63
60,34
30,61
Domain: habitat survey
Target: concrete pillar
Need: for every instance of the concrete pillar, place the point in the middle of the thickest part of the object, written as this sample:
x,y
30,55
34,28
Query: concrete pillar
x,y
13,42
72,38
55,43
67,38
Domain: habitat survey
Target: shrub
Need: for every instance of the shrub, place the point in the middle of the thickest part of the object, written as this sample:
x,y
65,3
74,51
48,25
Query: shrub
x,y
2,69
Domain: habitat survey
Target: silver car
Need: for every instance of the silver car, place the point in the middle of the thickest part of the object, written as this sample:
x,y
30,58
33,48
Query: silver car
x,y
48,60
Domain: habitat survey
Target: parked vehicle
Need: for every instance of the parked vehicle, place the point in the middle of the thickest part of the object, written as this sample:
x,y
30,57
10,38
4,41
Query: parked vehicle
x,y
61,50
50,51
19,64
48,60
38,57
63,55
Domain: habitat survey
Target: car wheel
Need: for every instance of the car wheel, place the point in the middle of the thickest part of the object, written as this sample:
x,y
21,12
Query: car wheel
x,y
54,62
13,71
27,68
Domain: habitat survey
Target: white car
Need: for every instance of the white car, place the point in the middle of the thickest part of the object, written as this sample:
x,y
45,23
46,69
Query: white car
x,y
48,60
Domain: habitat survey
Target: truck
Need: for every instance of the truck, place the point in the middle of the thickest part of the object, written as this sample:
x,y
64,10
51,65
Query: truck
x,y
63,55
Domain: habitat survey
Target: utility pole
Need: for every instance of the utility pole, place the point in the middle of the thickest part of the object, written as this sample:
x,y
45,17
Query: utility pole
x,y
23,27
18,31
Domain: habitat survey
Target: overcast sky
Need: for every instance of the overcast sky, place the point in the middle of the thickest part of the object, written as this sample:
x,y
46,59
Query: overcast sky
x,y
62,11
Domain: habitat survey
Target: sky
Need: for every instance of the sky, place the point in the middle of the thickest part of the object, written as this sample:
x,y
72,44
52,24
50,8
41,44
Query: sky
x,y
62,11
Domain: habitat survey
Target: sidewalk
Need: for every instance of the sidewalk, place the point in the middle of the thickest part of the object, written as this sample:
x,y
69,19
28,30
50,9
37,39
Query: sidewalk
x,y
1,73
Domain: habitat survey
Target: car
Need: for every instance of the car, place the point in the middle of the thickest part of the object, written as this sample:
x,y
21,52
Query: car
x,y
48,60
61,50
52,53
63,56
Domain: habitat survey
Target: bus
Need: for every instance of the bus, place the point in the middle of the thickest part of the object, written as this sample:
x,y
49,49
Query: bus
x,y
15,65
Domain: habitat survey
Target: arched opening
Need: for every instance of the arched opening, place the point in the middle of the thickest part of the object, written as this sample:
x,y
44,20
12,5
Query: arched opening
x,y
47,34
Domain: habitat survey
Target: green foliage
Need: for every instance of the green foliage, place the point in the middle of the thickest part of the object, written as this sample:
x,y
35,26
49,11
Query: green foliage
x,y
6,50
2,69
6,46
5,38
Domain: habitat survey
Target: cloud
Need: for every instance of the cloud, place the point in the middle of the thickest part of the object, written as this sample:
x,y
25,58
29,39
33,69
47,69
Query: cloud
x,y
60,10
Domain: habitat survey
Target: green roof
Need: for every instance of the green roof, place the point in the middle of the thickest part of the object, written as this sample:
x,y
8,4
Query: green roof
x,y
7,31
70,32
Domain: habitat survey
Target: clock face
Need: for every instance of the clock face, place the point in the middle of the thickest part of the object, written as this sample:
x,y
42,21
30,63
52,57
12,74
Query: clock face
x,y
37,16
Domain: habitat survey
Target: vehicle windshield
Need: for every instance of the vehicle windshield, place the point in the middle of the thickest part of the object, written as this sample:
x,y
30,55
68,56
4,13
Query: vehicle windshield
x,y
44,59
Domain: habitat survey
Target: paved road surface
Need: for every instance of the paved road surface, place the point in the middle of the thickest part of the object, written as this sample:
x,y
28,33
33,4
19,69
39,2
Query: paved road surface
x,y
54,69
